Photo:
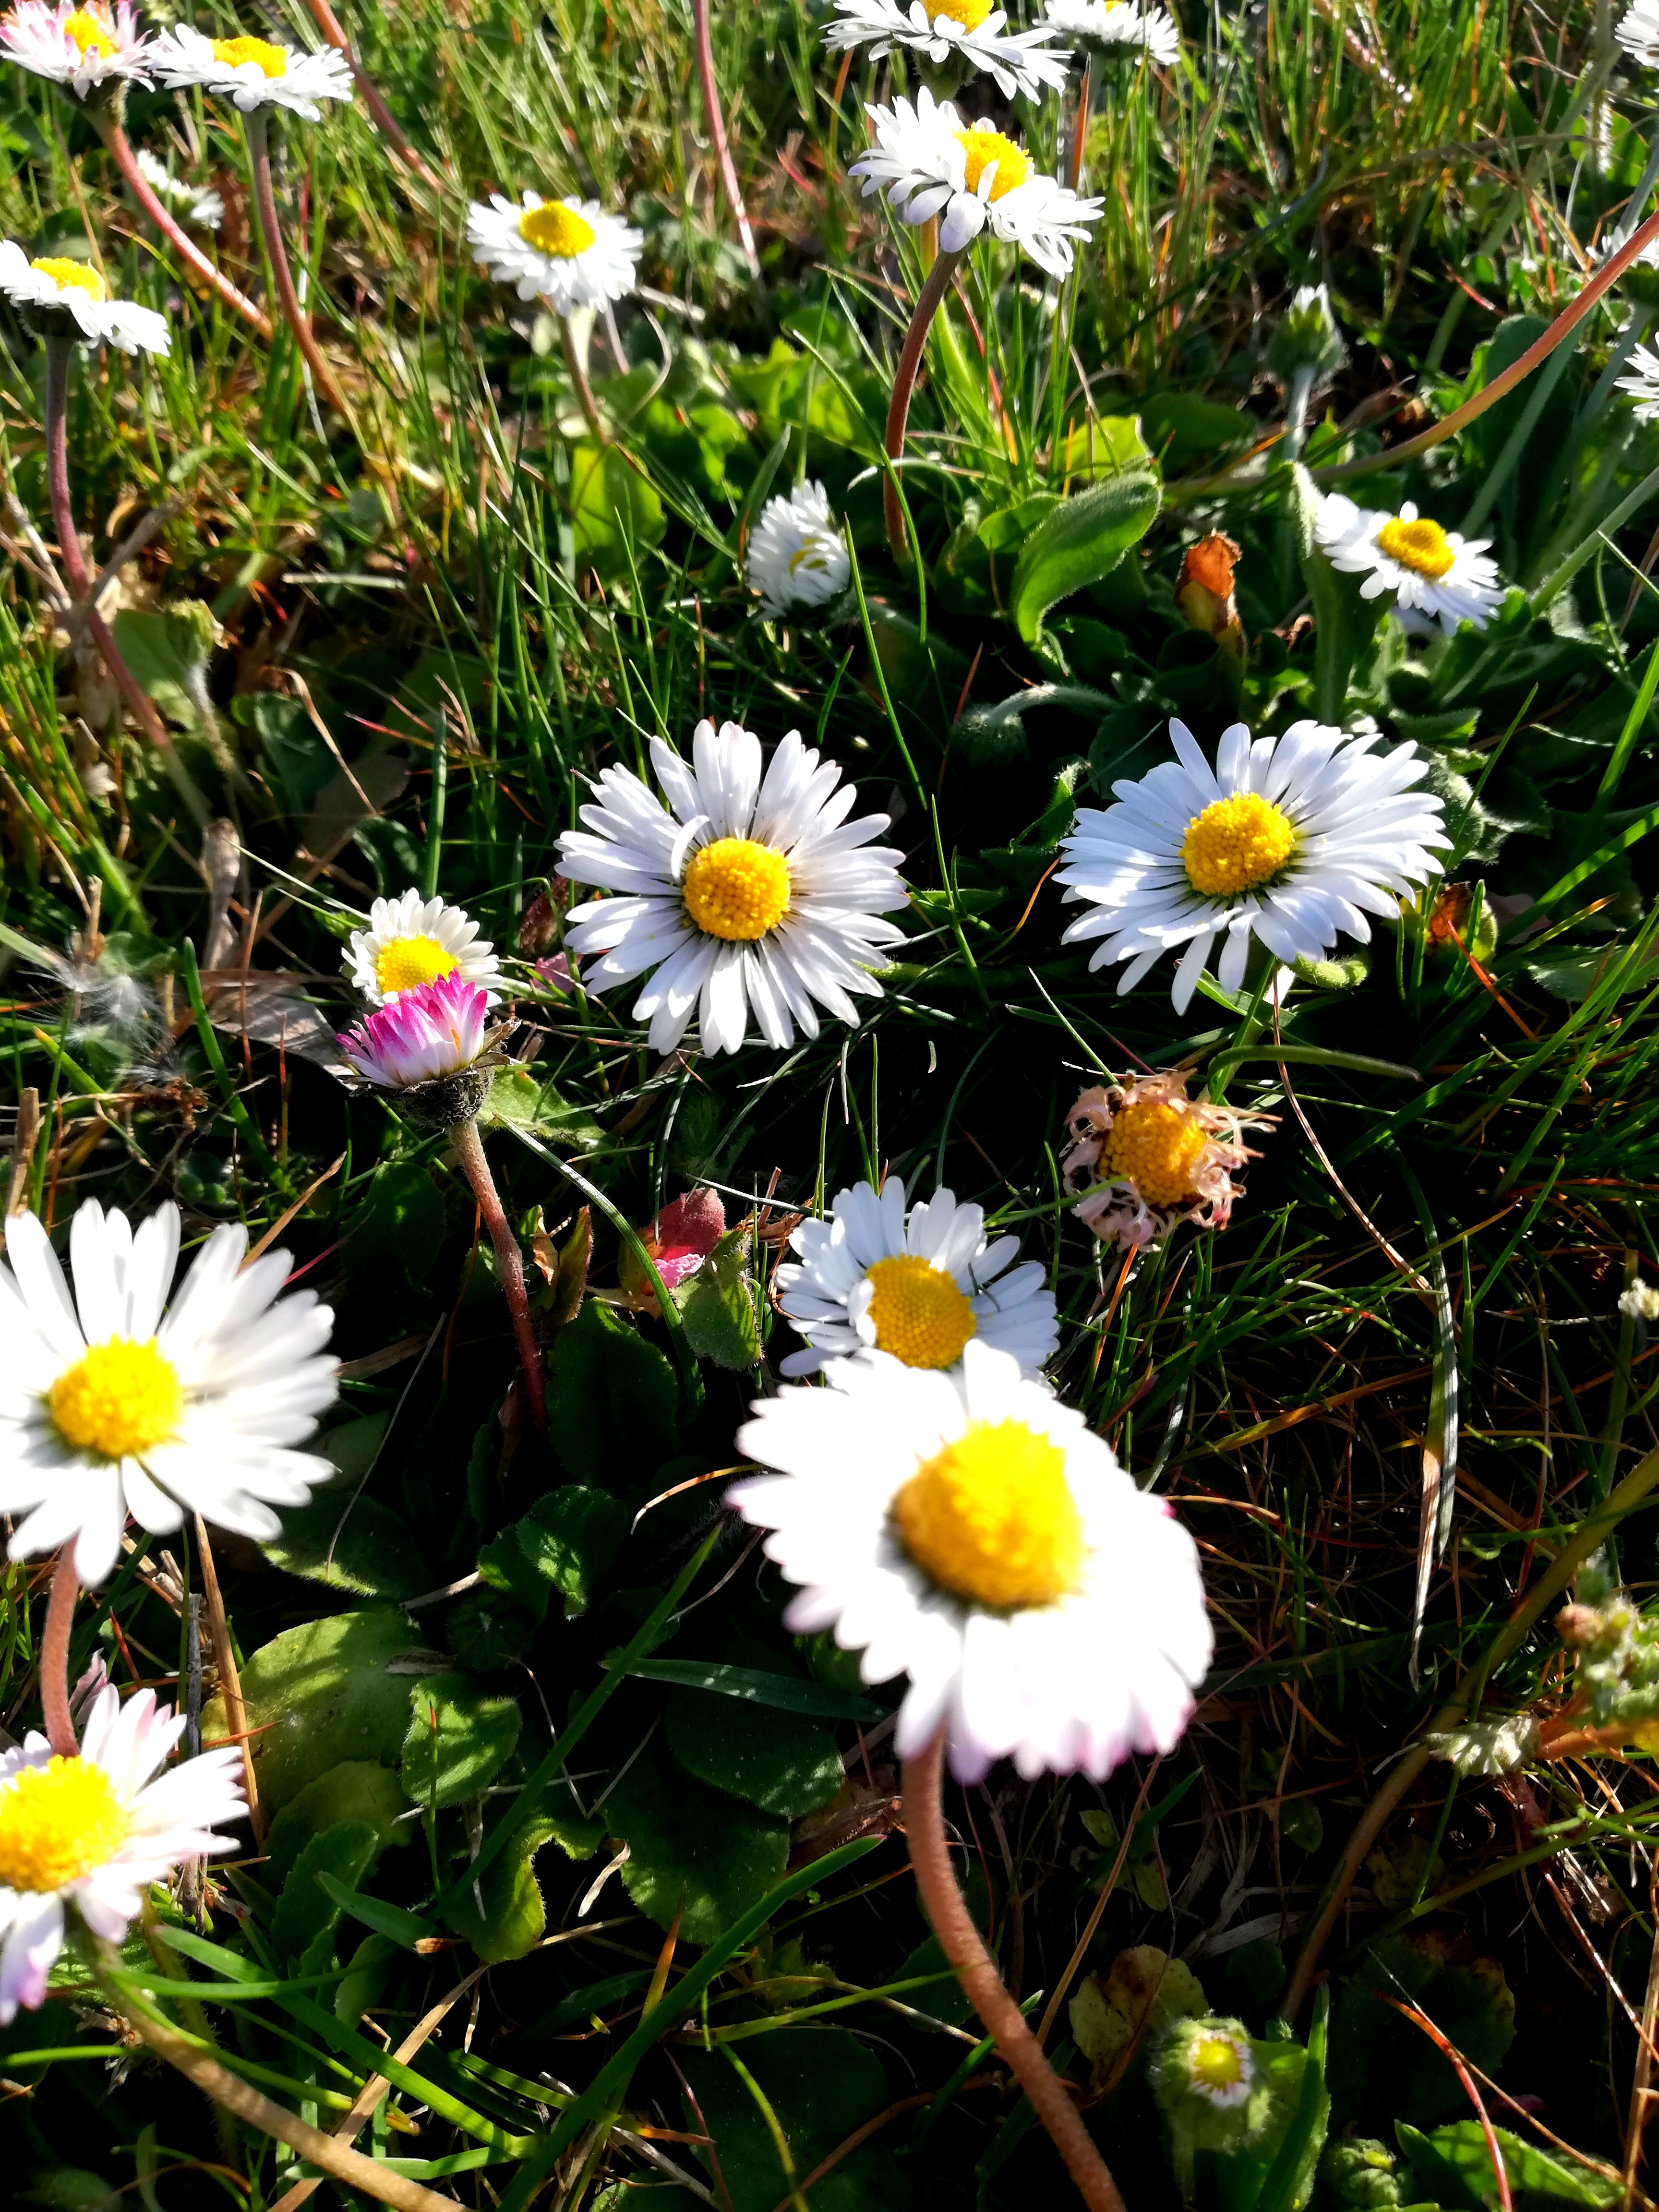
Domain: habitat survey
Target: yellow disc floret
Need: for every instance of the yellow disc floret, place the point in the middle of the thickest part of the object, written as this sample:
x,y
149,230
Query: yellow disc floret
x,y
56,1823
1421,546
970,14
409,962
121,1399
559,232
72,276
1215,2062
1014,164
917,1312
236,53
91,34
1156,1148
1236,844
736,889
991,1517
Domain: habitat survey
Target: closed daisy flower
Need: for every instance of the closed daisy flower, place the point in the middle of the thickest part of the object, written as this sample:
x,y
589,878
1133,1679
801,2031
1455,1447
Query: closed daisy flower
x,y
797,557
1117,27
1638,33
114,1402
930,163
419,1035
198,204
569,253
747,894
919,1286
70,298
968,1530
252,72
1293,840
95,1831
1144,1156
968,30
410,941
79,47
1435,574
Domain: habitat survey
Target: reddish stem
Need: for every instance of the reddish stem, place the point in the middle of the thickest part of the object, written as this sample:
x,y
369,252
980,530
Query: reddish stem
x,y
711,108
1080,130
904,383
138,185
264,201
326,22
54,1657
509,1262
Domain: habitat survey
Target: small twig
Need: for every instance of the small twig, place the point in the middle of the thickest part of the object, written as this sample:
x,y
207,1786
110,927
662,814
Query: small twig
x,y
230,1681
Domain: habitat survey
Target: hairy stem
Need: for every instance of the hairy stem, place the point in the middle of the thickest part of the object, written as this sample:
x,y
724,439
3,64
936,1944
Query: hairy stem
x,y
115,138
711,108
509,1261
385,122
578,366
904,383
54,1656
265,200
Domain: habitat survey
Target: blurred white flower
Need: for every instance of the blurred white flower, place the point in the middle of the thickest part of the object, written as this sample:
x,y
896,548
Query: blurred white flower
x,y
1640,1301
968,30
1642,382
1118,26
252,72
1638,33
199,205
797,555
570,252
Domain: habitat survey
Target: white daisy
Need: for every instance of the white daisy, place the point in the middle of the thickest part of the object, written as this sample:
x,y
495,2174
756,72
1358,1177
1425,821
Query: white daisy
x,y
420,1035
56,288
199,205
570,252
1436,574
968,1530
410,941
920,1287
79,47
1119,26
797,556
1286,839
95,1831
110,1406
932,163
1638,33
969,30
252,72
1642,381
746,895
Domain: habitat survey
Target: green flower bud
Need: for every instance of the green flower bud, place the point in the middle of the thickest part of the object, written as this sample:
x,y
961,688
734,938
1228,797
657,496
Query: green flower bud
x,y
1307,343
1209,2090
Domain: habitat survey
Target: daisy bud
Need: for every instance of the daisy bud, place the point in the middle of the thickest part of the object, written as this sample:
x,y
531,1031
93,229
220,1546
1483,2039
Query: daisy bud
x,y
1307,343
1212,2092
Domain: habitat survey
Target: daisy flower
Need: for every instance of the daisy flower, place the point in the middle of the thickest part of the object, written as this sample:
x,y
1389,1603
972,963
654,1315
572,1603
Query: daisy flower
x,y
110,1405
1286,839
1436,574
570,252
420,1035
1642,381
747,896
930,163
1638,33
56,288
410,941
252,72
205,209
969,30
919,1285
78,46
797,557
1119,26
95,1831
1144,1156
968,1530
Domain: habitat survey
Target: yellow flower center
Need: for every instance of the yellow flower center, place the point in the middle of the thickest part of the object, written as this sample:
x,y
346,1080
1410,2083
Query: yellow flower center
x,y
736,889
236,53
1236,844
120,1399
72,276
409,962
90,36
1420,546
1156,1148
1014,164
918,1313
970,14
993,1518
56,1823
811,556
557,231
1215,2063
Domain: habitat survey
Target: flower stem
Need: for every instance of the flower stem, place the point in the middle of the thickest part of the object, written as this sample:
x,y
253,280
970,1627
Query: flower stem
x,y
115,139
904,383
385,122
59,350
265,200
711,108
1080,127
577,364
509,1261
924,1828
54,1656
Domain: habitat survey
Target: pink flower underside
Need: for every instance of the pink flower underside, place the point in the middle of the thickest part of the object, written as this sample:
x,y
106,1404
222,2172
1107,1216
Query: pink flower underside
x,y
429,1031
683,1234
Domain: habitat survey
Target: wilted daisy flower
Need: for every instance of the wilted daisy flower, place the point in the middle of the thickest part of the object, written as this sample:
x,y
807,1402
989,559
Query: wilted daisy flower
x,y
1638,33
1020,61
1286,839
252,72
797,557
1118,26
570,252
1436,574
1640,1301
65,293
967,1530
932,163
1642,381
1145,1156
205,207
110,1405
919,1287
95,1831
746,895
410,941
435,1030
79,47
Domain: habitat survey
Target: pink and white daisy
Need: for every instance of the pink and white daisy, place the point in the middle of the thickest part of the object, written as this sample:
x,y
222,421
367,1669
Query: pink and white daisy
x,y
79,44
435,1030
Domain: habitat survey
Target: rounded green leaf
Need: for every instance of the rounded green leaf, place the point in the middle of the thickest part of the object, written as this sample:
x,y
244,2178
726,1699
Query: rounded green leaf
x,y
782,1763
459,1738
691,1849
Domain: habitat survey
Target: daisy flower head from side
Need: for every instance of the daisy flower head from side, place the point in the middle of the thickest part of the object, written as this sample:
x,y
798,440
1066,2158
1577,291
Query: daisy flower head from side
x,y
1144,1156
1117,27
1637,32
1641,381
198,205
95,1831
1435,575
571,252
966,1529
797,555
750,895
1292,840
82,45
930,163
422,1037
918,1285
410,941
115,1402
64,298
251,72
968,31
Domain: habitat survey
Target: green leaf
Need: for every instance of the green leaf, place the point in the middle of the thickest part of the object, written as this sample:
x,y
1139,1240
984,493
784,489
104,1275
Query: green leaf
x,y
307,1915
567,1542
787,1693
1082,539
357,1790
398,1221
717,1305
517,1100
1181,429
692,1850
459,1738
1106,446
1382,2066
405,1929
612,1400
614,509
821,2084
784,1764
168,652
1454,2166
347,1541
513,1916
